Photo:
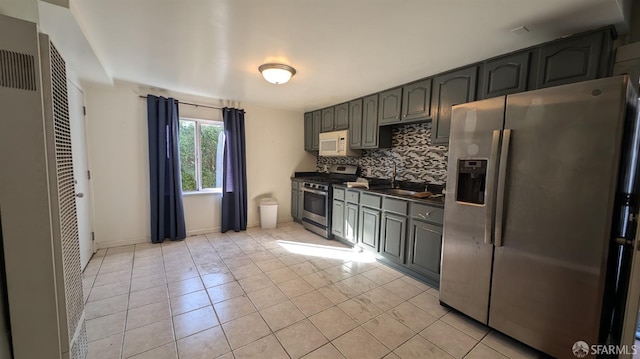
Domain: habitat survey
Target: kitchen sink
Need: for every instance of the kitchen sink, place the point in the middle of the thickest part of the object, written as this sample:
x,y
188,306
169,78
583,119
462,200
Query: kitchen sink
x,y
398,191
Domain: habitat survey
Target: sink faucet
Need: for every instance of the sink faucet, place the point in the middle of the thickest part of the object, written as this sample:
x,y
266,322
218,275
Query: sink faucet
x,y
393,176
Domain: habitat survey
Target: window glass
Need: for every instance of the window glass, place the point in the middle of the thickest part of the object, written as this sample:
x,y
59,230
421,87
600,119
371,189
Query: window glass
x,y
209,134
188,155
201,146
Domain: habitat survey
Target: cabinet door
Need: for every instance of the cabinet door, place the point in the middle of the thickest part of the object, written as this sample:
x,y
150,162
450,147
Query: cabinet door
x,y
337,219
392,237
327,120
300,204
416,100
355,123
425,244
308,131
351,223
294,204
370,122
341,117
389,104
506,75
569,60
369,228
450,89
315,133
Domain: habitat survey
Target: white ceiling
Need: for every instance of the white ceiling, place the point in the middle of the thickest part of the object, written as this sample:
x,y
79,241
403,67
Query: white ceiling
x,y
342,49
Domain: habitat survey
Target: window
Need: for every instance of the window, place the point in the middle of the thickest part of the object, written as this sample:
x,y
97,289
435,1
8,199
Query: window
x,y
201,146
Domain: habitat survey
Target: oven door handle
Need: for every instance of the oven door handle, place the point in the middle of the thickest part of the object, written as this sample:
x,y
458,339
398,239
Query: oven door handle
x,y
322,193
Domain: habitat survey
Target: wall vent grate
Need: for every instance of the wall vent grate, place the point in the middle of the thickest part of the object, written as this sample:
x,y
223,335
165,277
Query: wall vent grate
x,y
17,70
72,270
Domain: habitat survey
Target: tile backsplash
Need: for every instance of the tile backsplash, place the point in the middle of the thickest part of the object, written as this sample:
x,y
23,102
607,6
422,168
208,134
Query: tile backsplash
x,y
415,158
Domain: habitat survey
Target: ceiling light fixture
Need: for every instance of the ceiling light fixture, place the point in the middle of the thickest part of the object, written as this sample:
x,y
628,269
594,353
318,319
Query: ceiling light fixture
x,y
277,73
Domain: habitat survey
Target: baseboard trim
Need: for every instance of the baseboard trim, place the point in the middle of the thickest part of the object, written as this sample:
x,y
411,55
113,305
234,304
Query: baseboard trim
x,y
197,232
122,242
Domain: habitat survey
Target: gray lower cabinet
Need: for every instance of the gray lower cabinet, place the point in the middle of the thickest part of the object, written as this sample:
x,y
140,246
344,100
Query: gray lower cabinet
x,y
392,237
337,218
423,252
294,204
369,228
296,200
351,223
369,221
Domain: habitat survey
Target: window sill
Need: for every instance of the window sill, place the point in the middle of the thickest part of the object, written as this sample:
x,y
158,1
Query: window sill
x,y
203,192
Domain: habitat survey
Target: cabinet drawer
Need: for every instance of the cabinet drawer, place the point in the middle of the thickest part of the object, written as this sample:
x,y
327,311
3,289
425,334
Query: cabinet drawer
x,y
427,213
395,205
338,193
294,184
370,200
353,196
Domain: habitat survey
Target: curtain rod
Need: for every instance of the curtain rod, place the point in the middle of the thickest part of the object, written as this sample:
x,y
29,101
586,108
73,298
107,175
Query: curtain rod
x,y
190,104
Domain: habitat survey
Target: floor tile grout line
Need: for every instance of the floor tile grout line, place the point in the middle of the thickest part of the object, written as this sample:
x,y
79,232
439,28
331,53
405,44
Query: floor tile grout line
x,y
246,251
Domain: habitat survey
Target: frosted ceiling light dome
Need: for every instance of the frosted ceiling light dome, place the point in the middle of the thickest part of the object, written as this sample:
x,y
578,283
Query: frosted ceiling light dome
x,y
277,73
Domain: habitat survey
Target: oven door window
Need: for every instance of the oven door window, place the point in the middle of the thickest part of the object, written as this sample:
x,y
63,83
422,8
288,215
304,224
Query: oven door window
x,y
315,203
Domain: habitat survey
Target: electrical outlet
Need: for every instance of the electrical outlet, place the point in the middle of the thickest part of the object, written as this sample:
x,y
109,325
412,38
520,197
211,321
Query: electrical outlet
x,y
369,172
326,169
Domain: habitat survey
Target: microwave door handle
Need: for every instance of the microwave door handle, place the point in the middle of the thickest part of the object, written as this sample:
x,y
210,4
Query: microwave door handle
x,y
502,179
491,188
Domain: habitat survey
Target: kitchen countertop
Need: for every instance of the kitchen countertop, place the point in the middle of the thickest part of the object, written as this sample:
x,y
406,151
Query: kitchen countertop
x,y
436,202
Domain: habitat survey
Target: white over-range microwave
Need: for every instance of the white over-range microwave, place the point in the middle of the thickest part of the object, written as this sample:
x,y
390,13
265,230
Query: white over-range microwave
x,y
336,144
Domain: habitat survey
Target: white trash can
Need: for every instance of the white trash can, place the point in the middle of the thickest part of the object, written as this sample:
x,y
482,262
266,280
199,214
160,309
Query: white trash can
x,y
268,213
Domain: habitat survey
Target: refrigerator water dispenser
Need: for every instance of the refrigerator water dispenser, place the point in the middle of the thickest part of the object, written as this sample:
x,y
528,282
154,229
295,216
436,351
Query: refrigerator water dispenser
x,y
472,178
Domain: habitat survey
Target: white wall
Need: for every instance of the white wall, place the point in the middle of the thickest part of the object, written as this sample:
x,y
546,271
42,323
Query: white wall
x,y
118,156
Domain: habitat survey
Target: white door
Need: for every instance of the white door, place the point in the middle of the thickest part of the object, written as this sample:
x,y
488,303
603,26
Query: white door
x,y
81,172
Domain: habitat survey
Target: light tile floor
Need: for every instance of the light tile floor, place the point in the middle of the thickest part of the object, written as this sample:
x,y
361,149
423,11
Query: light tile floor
x,y
281,293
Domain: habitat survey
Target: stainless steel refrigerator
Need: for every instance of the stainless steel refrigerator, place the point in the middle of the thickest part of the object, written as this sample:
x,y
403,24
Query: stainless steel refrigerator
x,y
540,197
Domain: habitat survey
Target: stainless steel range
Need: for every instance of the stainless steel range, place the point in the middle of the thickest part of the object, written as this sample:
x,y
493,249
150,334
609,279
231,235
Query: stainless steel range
x,y
318,195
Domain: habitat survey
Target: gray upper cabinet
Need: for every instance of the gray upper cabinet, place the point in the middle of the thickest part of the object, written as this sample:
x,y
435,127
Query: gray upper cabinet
x,y
389,104
574,59
416,101
355,123
577,58
370,122
450,89
327,120
316,127
506,75
372,135
308,131
341,116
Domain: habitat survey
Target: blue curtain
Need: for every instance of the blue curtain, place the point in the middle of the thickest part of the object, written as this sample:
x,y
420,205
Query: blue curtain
x,y
234,181
167,212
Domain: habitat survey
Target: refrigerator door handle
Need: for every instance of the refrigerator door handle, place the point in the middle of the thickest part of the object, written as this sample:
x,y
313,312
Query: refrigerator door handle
x,y
502,178
491,188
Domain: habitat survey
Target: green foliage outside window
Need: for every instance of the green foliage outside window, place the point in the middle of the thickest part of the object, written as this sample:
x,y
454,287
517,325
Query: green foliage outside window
x,y
209,134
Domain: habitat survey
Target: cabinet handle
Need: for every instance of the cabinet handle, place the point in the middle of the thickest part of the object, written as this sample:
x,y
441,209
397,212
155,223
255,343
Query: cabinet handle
x,y
424,216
